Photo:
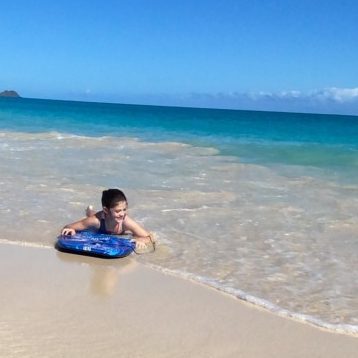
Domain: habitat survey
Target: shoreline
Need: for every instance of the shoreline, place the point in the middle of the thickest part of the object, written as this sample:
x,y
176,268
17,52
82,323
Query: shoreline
x,y
262,304
56,304
236,294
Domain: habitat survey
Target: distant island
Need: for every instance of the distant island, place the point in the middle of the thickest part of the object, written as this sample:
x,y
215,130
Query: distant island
x,y
9,94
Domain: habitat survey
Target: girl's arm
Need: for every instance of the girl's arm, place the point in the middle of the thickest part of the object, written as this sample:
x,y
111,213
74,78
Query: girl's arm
x,y
91,222
137,230
142,236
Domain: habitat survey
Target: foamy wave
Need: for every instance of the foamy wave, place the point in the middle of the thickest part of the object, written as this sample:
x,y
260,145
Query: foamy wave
x,y
124,141
347,329
185,209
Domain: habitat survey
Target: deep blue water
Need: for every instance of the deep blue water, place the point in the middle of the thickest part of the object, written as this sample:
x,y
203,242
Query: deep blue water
x,y
324,141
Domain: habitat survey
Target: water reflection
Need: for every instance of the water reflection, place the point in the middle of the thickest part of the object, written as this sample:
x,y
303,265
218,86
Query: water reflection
x,y
104,274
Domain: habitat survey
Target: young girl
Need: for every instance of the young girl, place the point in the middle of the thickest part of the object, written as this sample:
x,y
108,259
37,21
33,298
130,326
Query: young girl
x,y
113,219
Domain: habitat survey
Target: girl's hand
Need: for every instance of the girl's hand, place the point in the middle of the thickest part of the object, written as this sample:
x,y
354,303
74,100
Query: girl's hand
x,y
68,231
152,238
140,244
143,242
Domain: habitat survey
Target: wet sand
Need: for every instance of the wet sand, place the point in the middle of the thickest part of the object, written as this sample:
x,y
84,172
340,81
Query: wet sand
x,y
54,304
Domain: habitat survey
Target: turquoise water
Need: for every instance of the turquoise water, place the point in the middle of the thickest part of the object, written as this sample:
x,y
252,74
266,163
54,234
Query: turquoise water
x,y
325,141
261,205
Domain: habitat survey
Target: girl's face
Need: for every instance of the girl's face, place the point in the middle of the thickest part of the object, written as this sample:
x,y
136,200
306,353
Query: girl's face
x,y
118,212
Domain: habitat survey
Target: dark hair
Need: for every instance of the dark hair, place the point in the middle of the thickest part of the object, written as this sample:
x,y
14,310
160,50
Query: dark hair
x,y
111,197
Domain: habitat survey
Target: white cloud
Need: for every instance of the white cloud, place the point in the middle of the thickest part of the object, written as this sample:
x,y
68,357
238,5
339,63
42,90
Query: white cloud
x,y
331,100
290,94
340,95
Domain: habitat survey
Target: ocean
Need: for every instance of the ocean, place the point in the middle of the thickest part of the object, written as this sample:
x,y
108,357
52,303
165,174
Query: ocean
x,y
260,205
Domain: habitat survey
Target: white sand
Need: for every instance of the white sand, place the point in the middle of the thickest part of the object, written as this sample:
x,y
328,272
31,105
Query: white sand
x,y
61,305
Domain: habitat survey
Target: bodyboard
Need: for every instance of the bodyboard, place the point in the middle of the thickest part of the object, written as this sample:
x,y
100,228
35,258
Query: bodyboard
x,y
95,244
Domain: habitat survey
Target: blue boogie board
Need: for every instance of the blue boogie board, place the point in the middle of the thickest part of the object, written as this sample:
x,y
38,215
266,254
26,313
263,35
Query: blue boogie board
x,y
94,244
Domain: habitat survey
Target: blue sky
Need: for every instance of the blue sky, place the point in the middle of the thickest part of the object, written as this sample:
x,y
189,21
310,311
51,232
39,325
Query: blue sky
x,y
283,55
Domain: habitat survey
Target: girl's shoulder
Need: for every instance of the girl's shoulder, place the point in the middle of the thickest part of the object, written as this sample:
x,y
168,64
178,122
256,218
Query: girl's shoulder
x,y
128,222
127,219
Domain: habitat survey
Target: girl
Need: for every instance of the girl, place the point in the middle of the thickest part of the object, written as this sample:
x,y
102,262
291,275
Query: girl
x,y
113,219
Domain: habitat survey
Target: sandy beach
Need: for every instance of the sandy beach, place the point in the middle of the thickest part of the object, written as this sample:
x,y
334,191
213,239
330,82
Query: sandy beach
x,y
61,305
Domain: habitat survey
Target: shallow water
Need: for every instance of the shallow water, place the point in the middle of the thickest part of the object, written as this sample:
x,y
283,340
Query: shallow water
x,y
275,232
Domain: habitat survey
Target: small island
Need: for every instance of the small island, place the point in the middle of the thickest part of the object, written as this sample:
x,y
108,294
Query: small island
x,y
9,94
